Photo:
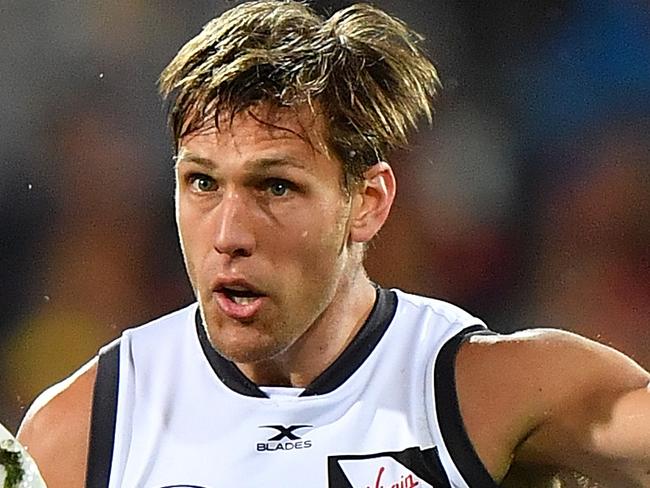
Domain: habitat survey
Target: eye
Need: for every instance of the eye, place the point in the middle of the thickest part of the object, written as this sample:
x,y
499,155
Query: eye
x,y
279,187
202,183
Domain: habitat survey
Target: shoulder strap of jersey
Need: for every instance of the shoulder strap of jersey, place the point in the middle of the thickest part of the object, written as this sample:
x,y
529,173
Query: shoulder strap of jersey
x,y
104,411
450,420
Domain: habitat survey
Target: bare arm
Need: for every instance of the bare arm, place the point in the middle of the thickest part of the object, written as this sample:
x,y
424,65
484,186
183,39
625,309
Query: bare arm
x,y
605,436
56,427
550,400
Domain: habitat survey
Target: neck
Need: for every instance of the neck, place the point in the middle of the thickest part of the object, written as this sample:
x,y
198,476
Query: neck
x,y
324,340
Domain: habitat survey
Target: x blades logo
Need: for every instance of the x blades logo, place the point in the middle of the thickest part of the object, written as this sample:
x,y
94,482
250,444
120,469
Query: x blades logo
x,y
285,431
275,443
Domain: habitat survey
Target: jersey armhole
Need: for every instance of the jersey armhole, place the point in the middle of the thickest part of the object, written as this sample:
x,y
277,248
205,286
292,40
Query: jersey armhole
x,y
449,418
104,411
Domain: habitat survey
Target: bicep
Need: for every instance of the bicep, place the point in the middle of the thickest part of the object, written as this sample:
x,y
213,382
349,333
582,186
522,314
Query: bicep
x,y
623,431
599,422
606,429
555,400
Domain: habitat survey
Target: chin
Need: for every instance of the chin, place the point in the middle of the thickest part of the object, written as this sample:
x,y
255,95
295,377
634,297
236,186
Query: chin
x,y
250,341
250,355
247,350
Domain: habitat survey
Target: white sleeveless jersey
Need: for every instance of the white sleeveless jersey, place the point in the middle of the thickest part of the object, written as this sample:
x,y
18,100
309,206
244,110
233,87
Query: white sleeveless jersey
x,y
169,411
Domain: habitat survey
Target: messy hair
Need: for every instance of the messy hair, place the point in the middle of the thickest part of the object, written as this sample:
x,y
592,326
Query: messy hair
x,y
363,69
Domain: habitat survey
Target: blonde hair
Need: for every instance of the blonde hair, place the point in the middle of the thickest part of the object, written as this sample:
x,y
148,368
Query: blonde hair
x,y
362,68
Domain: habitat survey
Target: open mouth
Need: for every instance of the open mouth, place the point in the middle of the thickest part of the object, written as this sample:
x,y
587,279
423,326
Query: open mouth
x,y
240,296
239,302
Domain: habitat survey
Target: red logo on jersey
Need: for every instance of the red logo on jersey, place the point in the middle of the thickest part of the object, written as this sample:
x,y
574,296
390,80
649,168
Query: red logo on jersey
x,y
405,481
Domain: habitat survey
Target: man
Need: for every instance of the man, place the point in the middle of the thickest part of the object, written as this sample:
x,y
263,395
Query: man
x,y
294,369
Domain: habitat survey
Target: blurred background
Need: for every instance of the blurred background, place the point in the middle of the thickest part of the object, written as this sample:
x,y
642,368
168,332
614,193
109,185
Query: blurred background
x,y
527,202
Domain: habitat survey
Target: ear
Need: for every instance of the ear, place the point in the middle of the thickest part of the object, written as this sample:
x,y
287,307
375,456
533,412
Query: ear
x,y
372,201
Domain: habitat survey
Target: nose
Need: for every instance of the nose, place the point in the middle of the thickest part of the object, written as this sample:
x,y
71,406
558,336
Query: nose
x,y
234,233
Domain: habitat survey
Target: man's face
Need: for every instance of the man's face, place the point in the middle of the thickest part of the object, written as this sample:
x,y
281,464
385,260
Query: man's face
x,y
263,224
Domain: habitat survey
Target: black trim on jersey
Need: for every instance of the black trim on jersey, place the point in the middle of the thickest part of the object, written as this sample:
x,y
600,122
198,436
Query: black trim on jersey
x,y
104,412
359,349
225,370
353,356
424,463
450,420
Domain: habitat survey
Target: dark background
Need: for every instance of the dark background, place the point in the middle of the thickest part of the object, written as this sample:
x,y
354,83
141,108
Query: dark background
x,y
527,203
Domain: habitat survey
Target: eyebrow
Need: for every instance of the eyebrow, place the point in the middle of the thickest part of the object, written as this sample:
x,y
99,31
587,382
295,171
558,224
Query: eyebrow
x,y
264,164
192,158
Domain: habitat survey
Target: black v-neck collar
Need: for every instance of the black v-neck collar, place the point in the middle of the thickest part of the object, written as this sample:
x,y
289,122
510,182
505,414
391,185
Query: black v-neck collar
x,y
335,375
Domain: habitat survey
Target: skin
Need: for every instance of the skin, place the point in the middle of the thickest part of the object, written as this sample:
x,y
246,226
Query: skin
x,y
573,404
254,198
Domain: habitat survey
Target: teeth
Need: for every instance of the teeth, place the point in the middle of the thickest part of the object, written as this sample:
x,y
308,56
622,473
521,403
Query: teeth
x,y
243,300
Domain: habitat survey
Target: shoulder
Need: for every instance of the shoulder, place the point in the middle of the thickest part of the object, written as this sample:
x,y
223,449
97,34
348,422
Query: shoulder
x,y
58,422
509,385
56,427
438,313
564,362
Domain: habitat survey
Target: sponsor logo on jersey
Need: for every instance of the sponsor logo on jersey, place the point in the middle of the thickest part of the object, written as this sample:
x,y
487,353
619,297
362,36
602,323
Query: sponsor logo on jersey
x,y
414,467
285,439
380,472
408,481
